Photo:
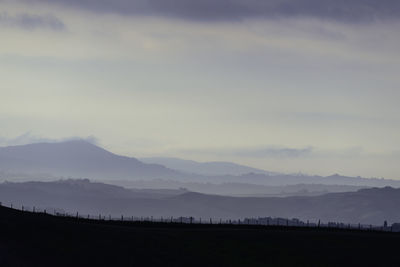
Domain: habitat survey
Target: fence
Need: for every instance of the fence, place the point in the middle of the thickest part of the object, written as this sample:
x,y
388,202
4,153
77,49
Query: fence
x,y
260,221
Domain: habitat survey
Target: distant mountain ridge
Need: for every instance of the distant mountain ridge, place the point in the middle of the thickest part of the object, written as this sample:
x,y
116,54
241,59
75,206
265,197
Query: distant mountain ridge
x,y
213,168
77,158
81,159
336,179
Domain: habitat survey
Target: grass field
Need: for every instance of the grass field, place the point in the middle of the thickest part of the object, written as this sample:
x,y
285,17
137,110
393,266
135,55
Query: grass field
x,y
35,239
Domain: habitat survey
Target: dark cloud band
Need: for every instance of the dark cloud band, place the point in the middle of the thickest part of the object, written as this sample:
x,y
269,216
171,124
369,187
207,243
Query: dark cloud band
x,y
342,10
31,22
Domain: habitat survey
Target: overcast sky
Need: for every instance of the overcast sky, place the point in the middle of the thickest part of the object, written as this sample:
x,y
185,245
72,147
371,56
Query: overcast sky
x,y
306,86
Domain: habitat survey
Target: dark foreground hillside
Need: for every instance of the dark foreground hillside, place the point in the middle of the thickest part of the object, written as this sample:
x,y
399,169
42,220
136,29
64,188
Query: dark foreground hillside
x,y
28,239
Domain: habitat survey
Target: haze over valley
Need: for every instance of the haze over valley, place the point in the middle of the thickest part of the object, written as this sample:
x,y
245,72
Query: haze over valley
x,y
77,176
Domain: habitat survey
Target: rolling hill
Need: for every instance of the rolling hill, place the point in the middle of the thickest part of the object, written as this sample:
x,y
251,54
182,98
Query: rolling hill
x,y
367,206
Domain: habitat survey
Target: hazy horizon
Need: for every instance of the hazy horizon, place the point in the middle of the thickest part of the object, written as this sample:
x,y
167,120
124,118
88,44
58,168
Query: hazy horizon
x,y
286,86
185,165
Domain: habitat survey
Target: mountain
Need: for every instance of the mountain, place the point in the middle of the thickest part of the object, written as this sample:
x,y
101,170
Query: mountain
x,y
81,159
368,206
77,158
204,168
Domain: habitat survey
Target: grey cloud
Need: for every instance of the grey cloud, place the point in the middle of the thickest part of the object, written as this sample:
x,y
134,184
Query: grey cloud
x,y
29,138
276,152
31,21
343,10
250,152
280,152
305,152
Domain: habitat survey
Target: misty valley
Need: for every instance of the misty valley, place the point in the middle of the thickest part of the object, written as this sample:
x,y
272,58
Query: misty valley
x,y
75,192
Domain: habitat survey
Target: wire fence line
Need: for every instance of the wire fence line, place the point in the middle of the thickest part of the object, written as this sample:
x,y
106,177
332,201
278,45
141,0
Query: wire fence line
x,y
259,221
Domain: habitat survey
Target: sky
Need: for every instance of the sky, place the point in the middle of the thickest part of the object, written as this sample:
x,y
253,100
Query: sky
x,y
308,86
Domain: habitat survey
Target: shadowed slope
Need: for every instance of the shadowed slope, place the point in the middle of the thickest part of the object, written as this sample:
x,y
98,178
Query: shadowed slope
x,y
41,240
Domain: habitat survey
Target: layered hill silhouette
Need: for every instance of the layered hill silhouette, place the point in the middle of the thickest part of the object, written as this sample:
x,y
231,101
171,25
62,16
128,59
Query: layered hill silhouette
x,y
214,168
77,158
367,206
245,189
81,159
